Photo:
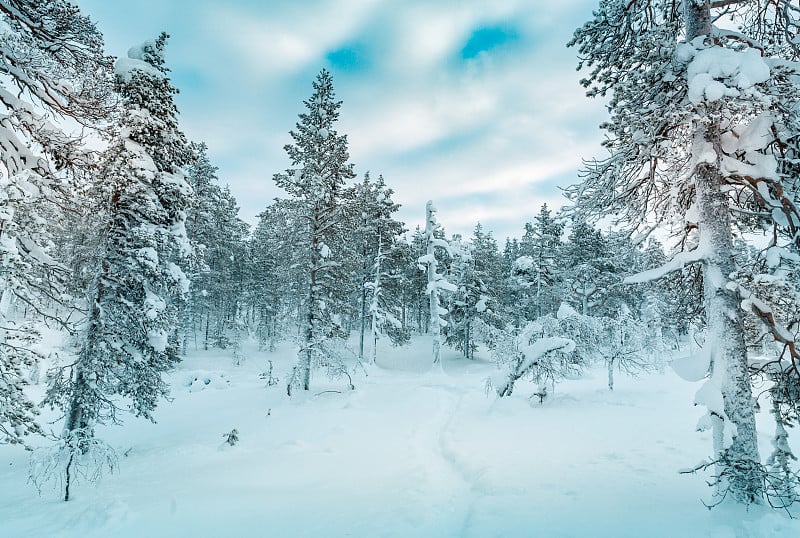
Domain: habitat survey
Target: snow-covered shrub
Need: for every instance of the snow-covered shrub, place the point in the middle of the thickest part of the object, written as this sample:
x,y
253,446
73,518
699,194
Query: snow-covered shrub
x,y
77,456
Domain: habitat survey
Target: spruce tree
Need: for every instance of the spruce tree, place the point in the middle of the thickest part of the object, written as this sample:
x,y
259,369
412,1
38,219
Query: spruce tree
x,y
129,337
320,168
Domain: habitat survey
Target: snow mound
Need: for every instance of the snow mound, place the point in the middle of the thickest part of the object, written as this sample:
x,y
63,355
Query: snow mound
x,y
201,380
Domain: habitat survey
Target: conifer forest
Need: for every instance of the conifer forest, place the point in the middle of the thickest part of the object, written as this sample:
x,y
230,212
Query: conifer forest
x,y
626,364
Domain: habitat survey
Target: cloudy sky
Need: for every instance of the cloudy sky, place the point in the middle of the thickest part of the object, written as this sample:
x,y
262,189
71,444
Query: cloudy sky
x,y
471,103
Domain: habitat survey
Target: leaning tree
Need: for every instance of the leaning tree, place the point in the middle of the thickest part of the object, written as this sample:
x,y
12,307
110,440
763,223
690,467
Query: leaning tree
x,y
703,138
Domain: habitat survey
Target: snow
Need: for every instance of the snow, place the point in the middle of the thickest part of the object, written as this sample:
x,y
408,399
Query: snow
x,y
693,367
539,347
566,311
135,61
717,72
410,452
678,261
775,254
710,396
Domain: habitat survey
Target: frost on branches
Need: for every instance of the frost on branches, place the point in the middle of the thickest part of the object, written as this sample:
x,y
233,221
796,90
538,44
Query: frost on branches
x,y
703,139
52,68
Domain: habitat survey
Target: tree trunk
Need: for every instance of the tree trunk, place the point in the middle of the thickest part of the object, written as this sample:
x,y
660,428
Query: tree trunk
x,y
363,313
738,465
610,364
739,462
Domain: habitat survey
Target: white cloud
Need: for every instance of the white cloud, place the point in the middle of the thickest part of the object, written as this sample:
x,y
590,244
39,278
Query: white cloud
x,y
275,42
482,136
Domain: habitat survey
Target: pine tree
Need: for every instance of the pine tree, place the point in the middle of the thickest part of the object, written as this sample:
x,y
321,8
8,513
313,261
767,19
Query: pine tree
x,y
321,157
129,338
585,268
52,67
703,136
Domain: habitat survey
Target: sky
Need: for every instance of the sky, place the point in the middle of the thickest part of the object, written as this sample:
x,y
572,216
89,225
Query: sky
x,y
475,105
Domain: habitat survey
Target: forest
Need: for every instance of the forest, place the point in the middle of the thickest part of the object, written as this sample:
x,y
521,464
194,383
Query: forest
x,y
126,267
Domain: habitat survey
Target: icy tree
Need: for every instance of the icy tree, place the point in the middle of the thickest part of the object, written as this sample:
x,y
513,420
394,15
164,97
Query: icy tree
x,y
436,281
373,229
129,337
475,270
320,157
382,319
52,69
628,345
703,137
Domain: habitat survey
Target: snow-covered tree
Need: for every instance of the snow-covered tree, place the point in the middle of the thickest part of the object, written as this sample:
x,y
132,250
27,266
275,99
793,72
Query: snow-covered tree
x,y
373,229
782,481
546,350
129,337
436,281
476,271
219,237
703,136
628,345
319,157
277,272
540,247
52,68
588,269
382,312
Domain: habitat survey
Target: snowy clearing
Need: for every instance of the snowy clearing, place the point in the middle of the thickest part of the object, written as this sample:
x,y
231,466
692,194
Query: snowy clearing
x,y
410,452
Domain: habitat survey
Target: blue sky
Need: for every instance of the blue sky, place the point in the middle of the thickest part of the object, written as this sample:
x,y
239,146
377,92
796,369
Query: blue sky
x,y
473,104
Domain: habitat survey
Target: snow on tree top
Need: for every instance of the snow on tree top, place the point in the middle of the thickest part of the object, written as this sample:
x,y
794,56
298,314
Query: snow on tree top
x,y
137,61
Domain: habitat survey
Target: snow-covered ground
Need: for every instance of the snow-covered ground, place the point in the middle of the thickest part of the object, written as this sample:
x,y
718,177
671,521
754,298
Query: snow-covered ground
x,y
409,453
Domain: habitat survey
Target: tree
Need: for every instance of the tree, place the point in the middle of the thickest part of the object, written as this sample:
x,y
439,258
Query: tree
x,y
476,270
540,244
381,308
436,281
129,337
321,157
219,237
373,231
703,136
277,272
52,68
586,269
